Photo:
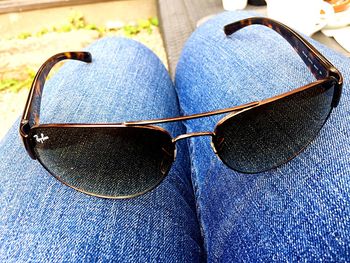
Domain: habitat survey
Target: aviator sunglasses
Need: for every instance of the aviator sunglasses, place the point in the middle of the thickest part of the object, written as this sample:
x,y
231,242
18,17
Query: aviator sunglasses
x,y
128,159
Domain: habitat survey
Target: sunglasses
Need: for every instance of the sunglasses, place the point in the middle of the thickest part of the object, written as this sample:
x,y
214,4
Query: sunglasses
x,y
128,159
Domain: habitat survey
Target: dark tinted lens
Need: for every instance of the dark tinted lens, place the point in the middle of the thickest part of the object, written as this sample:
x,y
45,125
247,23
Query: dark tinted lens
x,y
104,161
269,135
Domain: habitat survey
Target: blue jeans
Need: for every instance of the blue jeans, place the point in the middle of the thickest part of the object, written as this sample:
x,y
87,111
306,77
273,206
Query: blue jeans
x,y
202,210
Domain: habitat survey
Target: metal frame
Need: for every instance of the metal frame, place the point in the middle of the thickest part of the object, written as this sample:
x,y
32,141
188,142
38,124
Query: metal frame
x,y
321,68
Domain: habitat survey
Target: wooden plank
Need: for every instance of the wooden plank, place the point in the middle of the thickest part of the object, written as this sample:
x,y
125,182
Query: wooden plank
x,y
10,6
178,19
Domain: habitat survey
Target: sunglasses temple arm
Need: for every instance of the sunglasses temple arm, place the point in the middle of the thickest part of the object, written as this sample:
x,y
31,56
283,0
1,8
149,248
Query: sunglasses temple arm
x,y
32,109
315,61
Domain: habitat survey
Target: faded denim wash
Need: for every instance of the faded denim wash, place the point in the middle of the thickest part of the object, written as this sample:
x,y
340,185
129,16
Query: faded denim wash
x,y
42,220
298,212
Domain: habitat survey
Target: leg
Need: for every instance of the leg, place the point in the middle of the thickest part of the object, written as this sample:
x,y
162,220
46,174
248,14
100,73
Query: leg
x,y
43,220
299,211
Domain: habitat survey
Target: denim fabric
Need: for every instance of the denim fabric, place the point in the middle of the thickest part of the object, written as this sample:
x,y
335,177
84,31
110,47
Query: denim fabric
x,y
42,220
298,212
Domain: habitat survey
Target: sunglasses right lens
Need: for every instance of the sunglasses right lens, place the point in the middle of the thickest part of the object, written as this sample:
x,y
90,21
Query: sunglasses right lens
x,y
113,162
271,134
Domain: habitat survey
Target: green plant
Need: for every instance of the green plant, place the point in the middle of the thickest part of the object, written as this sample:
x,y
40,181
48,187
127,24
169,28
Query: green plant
x,y
24,35
15,85
76,21
142,24
101,31
91,27
130,30
42,32
65,28
154,21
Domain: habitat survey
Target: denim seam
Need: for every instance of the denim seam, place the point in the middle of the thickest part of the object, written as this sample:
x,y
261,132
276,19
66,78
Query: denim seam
x,y
196,190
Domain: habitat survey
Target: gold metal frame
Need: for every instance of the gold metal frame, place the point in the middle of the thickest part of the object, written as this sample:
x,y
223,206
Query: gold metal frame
x,y
321,68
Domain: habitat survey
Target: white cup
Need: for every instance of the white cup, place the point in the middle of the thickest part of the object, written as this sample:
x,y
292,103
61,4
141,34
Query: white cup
x,y
231,5
306,16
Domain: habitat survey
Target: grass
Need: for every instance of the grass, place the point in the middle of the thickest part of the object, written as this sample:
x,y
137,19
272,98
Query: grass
x,y
15,85
75,21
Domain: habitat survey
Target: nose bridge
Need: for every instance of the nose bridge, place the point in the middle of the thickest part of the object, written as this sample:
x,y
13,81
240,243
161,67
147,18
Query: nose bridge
x,y
193,134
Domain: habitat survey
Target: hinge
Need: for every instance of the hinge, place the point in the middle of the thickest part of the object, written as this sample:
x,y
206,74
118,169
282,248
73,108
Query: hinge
x,y
24,128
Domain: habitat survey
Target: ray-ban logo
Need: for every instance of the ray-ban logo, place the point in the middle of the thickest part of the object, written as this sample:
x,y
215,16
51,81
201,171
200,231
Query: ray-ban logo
x,y
41,139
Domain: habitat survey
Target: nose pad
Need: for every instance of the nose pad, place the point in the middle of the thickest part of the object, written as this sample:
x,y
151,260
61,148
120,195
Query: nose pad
x,y
218,143
213,146
167,161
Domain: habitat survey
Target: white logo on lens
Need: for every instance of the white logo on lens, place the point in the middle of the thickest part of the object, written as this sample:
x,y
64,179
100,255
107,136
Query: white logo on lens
x,y
41,139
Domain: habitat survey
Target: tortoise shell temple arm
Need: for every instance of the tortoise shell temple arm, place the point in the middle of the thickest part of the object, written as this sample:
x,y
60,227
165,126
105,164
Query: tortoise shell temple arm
x,y
315,61
32,109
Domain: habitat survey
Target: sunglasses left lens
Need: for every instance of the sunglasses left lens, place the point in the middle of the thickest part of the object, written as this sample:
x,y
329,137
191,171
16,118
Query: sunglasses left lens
x,y
112,162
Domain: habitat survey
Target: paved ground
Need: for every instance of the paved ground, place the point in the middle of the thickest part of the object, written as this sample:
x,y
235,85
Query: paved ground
x,y
16,55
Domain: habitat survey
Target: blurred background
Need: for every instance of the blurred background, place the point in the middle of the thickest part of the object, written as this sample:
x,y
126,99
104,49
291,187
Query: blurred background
x,y
31,31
